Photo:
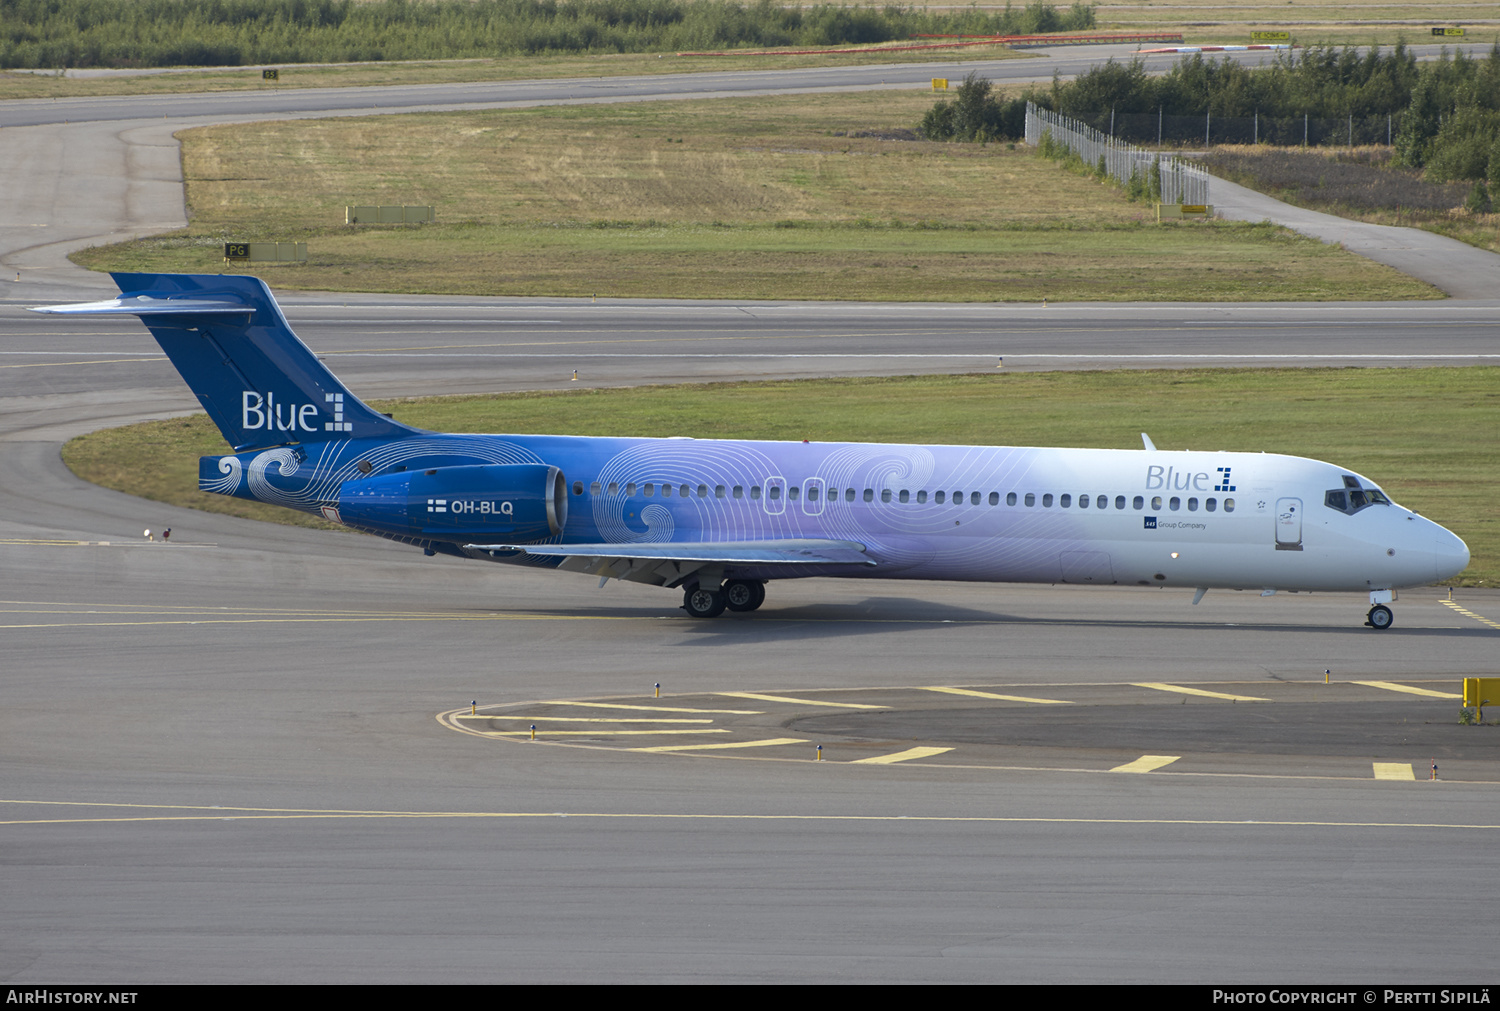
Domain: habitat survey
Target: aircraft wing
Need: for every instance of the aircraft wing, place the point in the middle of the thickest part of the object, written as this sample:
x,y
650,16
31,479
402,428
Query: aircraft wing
x,y
669,563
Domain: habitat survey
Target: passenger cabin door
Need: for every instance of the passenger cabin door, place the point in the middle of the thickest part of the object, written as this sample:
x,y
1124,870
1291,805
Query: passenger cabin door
x,y
1289,524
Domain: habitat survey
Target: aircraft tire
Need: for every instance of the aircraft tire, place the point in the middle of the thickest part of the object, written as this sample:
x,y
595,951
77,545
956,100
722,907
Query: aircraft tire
x,y
744,594
1380,618
702,602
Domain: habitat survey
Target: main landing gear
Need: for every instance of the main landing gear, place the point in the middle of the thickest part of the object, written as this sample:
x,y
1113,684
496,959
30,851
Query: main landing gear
x,y
1380,617
736,595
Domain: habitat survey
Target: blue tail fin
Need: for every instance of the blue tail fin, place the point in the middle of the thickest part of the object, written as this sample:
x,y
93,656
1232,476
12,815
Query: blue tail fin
x,y
258,382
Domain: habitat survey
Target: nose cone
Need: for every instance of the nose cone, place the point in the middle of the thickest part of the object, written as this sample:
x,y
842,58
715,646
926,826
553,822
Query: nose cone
x,y
1450,555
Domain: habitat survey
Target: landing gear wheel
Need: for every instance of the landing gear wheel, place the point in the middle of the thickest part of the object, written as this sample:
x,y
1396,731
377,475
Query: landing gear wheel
x,y
744,594
702,602
1380,617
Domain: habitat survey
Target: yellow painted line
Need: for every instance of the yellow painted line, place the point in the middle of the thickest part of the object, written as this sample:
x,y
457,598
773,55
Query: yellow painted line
x,y
1391,686
1393,770
205,813
1002,698
798,702
1146,763
575,719
900,756
1162,686
768,743
99,361
651,709
601,733
1470,614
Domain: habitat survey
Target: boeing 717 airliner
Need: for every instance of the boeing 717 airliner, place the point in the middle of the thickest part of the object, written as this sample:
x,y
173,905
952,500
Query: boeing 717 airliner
x,y
718,519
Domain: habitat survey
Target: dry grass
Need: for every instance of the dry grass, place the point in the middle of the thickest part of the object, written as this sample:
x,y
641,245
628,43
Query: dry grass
x,y
742,198
16,84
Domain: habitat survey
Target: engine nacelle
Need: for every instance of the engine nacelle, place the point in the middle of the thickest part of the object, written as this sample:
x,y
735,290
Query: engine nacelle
x,y
522,502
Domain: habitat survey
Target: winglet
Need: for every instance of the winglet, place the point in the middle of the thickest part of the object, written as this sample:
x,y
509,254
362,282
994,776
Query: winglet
x,y
1150,446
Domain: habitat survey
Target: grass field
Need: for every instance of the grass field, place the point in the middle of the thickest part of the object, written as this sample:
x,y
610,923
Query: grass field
x,y
1426,435
788,197
1353,22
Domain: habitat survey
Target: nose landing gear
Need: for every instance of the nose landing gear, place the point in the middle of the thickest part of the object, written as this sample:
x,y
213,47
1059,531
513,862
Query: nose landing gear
x,y
1380,618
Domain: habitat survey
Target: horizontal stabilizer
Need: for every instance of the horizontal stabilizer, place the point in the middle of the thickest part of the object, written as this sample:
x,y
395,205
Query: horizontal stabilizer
x,y
148,305
670,563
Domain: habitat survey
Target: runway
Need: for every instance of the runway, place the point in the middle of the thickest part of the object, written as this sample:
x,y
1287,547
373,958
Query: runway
x,y
224,759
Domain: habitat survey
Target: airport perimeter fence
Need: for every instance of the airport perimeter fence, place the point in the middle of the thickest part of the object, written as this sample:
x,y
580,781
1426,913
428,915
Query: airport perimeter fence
x,y
1181,183
1282,131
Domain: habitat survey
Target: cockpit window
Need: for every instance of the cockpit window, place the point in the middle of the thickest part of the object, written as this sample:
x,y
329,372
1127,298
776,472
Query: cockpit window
x,y
1351,498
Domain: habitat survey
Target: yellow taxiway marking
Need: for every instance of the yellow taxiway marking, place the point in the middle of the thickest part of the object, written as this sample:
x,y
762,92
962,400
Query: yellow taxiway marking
x,y
651,709
208,813
1162,686
769,742
1393,770
97,361
1391,686
1146,763
798,702
602,733
576,719
900,756
1002,698
1469,614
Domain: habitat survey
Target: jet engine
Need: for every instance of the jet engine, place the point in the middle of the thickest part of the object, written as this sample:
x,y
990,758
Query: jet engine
x,y
522,502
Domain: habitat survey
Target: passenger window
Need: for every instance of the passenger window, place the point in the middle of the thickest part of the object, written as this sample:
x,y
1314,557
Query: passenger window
x,y
718,490
885,494
1083,501
1156,502
1175,504
1119,501
1229,505
869,494
1030,499
1010,499
614,488
994,498
630,489
905,495
940,497
793,493
649,491
1210,504
921,497
1139,503
973,498
958,498
1192,505
666,491
1065,501
755,491
577,487
594,488
848,494
812,493
1047,501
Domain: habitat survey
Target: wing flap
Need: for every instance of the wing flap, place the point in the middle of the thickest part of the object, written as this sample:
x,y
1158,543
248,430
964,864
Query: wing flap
x,y
670,563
